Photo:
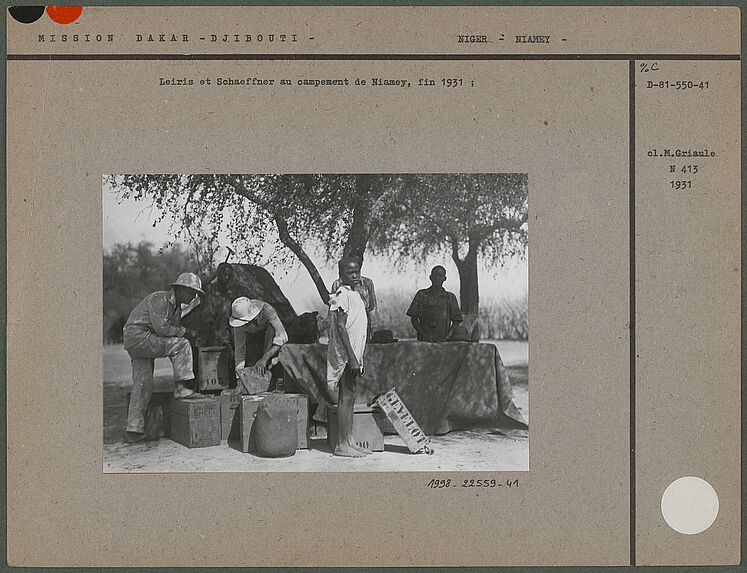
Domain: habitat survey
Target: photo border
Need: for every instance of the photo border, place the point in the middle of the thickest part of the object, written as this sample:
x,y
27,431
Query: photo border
x,y
135,3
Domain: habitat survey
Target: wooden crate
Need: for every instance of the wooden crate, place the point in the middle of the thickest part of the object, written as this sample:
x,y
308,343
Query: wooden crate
x,y
301,402
248,413
196,423
405,425
366,427
230,401
213,365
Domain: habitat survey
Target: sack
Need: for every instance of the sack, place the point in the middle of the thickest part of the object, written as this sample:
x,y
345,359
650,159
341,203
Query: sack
x,y
252,382
276,427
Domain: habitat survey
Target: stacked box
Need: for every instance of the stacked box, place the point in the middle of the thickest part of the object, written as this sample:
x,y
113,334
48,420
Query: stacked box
x,y
405,425
230,400
248,413
195,422
213,368
367,422
301,402
157,415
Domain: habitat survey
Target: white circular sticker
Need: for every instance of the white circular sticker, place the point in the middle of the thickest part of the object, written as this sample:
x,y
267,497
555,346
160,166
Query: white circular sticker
x,y
689,505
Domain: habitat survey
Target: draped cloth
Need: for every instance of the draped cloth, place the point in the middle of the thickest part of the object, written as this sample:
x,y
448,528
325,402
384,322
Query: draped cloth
x,y
446,386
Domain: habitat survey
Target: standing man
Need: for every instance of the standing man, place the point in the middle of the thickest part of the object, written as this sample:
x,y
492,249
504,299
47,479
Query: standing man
x,y
153,330
348,328
434,311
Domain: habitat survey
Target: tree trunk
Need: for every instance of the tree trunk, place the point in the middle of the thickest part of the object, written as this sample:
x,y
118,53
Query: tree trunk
x,y
360,228
469,292
469,295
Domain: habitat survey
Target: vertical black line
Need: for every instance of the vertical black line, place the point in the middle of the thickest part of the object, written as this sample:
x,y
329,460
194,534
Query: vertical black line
x,y
631,247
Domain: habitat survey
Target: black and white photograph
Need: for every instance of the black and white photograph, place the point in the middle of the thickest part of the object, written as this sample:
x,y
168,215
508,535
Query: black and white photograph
x,y
315,322
304,232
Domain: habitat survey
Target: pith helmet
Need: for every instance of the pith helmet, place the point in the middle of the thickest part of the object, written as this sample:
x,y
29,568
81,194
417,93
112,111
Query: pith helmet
x,y
189,280
244,310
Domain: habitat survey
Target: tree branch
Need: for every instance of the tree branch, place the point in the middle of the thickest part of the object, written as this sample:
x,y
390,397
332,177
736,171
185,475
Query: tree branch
x,y
455,250
287,240
297,250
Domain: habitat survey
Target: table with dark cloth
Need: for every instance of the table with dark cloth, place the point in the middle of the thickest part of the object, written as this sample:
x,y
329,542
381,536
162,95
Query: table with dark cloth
x,y
446,386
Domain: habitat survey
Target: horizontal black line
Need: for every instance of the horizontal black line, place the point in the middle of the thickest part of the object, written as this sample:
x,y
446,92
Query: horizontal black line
x,y
342,57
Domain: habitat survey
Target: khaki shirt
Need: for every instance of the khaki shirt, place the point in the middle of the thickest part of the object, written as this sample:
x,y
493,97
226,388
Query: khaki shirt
x,y
436,310
156,314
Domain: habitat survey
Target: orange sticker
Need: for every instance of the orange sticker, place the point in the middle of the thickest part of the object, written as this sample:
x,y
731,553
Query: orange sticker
x,y
64,14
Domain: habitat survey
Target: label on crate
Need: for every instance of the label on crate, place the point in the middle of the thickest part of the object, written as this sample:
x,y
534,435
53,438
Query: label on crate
x,y
405,425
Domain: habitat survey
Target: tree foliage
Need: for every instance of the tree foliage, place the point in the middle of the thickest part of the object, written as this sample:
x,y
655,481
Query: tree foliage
x,y
454,213
468,216
270,216
278,217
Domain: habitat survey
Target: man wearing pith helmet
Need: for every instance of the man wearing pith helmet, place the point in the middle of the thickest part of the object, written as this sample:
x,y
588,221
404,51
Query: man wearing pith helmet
x,y
258,333
152,331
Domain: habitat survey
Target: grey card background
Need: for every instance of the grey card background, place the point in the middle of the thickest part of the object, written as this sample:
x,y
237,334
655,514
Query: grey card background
x,y
565,122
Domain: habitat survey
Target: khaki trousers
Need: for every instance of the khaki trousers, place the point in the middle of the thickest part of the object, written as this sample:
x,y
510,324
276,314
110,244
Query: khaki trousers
x,y
142,354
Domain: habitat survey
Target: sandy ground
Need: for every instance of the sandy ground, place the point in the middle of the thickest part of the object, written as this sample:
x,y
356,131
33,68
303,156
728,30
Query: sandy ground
x,y
462,450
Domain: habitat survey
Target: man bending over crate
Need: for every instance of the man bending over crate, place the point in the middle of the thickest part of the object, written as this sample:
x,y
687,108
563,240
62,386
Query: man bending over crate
x,y
154,331
348,327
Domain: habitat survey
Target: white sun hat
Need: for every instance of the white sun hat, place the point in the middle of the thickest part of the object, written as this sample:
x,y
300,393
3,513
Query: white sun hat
x,y
244,310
